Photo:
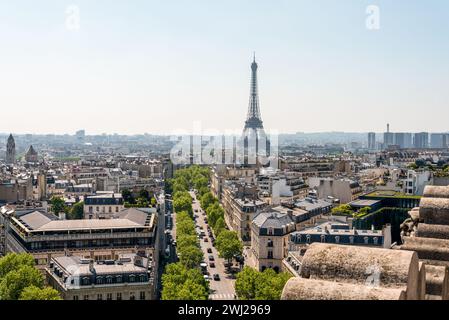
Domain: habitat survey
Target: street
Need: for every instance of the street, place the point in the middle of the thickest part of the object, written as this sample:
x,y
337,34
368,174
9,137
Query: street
x,y
224,288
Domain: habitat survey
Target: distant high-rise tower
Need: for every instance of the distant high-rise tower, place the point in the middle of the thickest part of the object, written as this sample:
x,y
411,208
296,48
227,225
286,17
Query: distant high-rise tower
x,y
11,150
372,141
256,143
421,140
388,137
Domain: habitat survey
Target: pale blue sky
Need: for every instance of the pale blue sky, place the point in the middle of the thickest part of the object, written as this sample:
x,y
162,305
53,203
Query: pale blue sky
x,y
154,66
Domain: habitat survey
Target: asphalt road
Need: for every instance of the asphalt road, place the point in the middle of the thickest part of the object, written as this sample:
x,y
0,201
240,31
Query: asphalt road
x,y
219,290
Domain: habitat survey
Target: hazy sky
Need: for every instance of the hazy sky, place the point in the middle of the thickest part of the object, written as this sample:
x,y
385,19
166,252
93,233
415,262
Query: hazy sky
x,y
155,66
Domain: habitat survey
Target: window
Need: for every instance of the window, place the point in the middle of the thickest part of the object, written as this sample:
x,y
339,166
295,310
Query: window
x,y
308,238
375,240
270,255
75,297
109,296
99,296
109,279
323,238
351,240
270,243
366,239
119,296
116,209
337,239
86,297
86,281
142,295
100,280
98,209
91,209
119,279
142,279
131,278
110,209
132,296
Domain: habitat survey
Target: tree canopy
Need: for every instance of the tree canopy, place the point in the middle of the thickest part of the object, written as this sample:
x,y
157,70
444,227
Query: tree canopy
x,y
20,279
254,285
36,293
228,244
76,212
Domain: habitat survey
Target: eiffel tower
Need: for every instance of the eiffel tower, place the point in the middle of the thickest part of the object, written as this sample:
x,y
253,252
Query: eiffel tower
x,y
254,120
253,132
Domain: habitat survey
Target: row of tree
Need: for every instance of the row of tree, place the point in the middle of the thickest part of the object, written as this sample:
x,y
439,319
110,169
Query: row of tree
x,y
228,242
20,280
254,285
184,280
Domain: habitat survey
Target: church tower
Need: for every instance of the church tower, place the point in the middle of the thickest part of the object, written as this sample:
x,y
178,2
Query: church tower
x,y
11,150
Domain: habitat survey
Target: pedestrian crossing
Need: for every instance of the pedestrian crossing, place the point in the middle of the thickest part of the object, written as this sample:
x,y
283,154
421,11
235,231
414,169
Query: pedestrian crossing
x,y
222,296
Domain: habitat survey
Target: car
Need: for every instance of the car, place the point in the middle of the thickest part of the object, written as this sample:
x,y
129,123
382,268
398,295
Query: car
x,y
216,277
206,240
196,210
212,265
206,277
174,243
211,258
209,250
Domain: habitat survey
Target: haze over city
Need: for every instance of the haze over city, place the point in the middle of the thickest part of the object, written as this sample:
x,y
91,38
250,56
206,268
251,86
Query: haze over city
x,y
158,66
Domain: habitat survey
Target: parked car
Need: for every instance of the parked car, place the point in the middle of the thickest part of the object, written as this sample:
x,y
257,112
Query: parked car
x,y
216,277
206,277
206,240
212,265
211,258
209,250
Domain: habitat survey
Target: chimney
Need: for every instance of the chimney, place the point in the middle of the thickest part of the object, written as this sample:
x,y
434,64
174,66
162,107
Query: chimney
x,y
91,266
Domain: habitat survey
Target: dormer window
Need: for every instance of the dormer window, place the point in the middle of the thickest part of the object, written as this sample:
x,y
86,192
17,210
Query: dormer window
x,y
366,239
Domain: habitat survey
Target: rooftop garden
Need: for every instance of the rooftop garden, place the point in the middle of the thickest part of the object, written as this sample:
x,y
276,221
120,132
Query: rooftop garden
x,y
391,194
347,210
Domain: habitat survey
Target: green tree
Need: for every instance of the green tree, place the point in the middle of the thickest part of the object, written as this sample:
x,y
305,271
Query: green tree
x,y
214,212
179,283
153,201
127,196
142,203
229,245
36,293
270,285
16,281
219,226
344,209
76,212
190,256
183,204
207,199
245,284
13,261
186,240
254,285
144,194
57,205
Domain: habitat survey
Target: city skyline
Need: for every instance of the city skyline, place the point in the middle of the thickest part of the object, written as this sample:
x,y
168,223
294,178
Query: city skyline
x,y
136,69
